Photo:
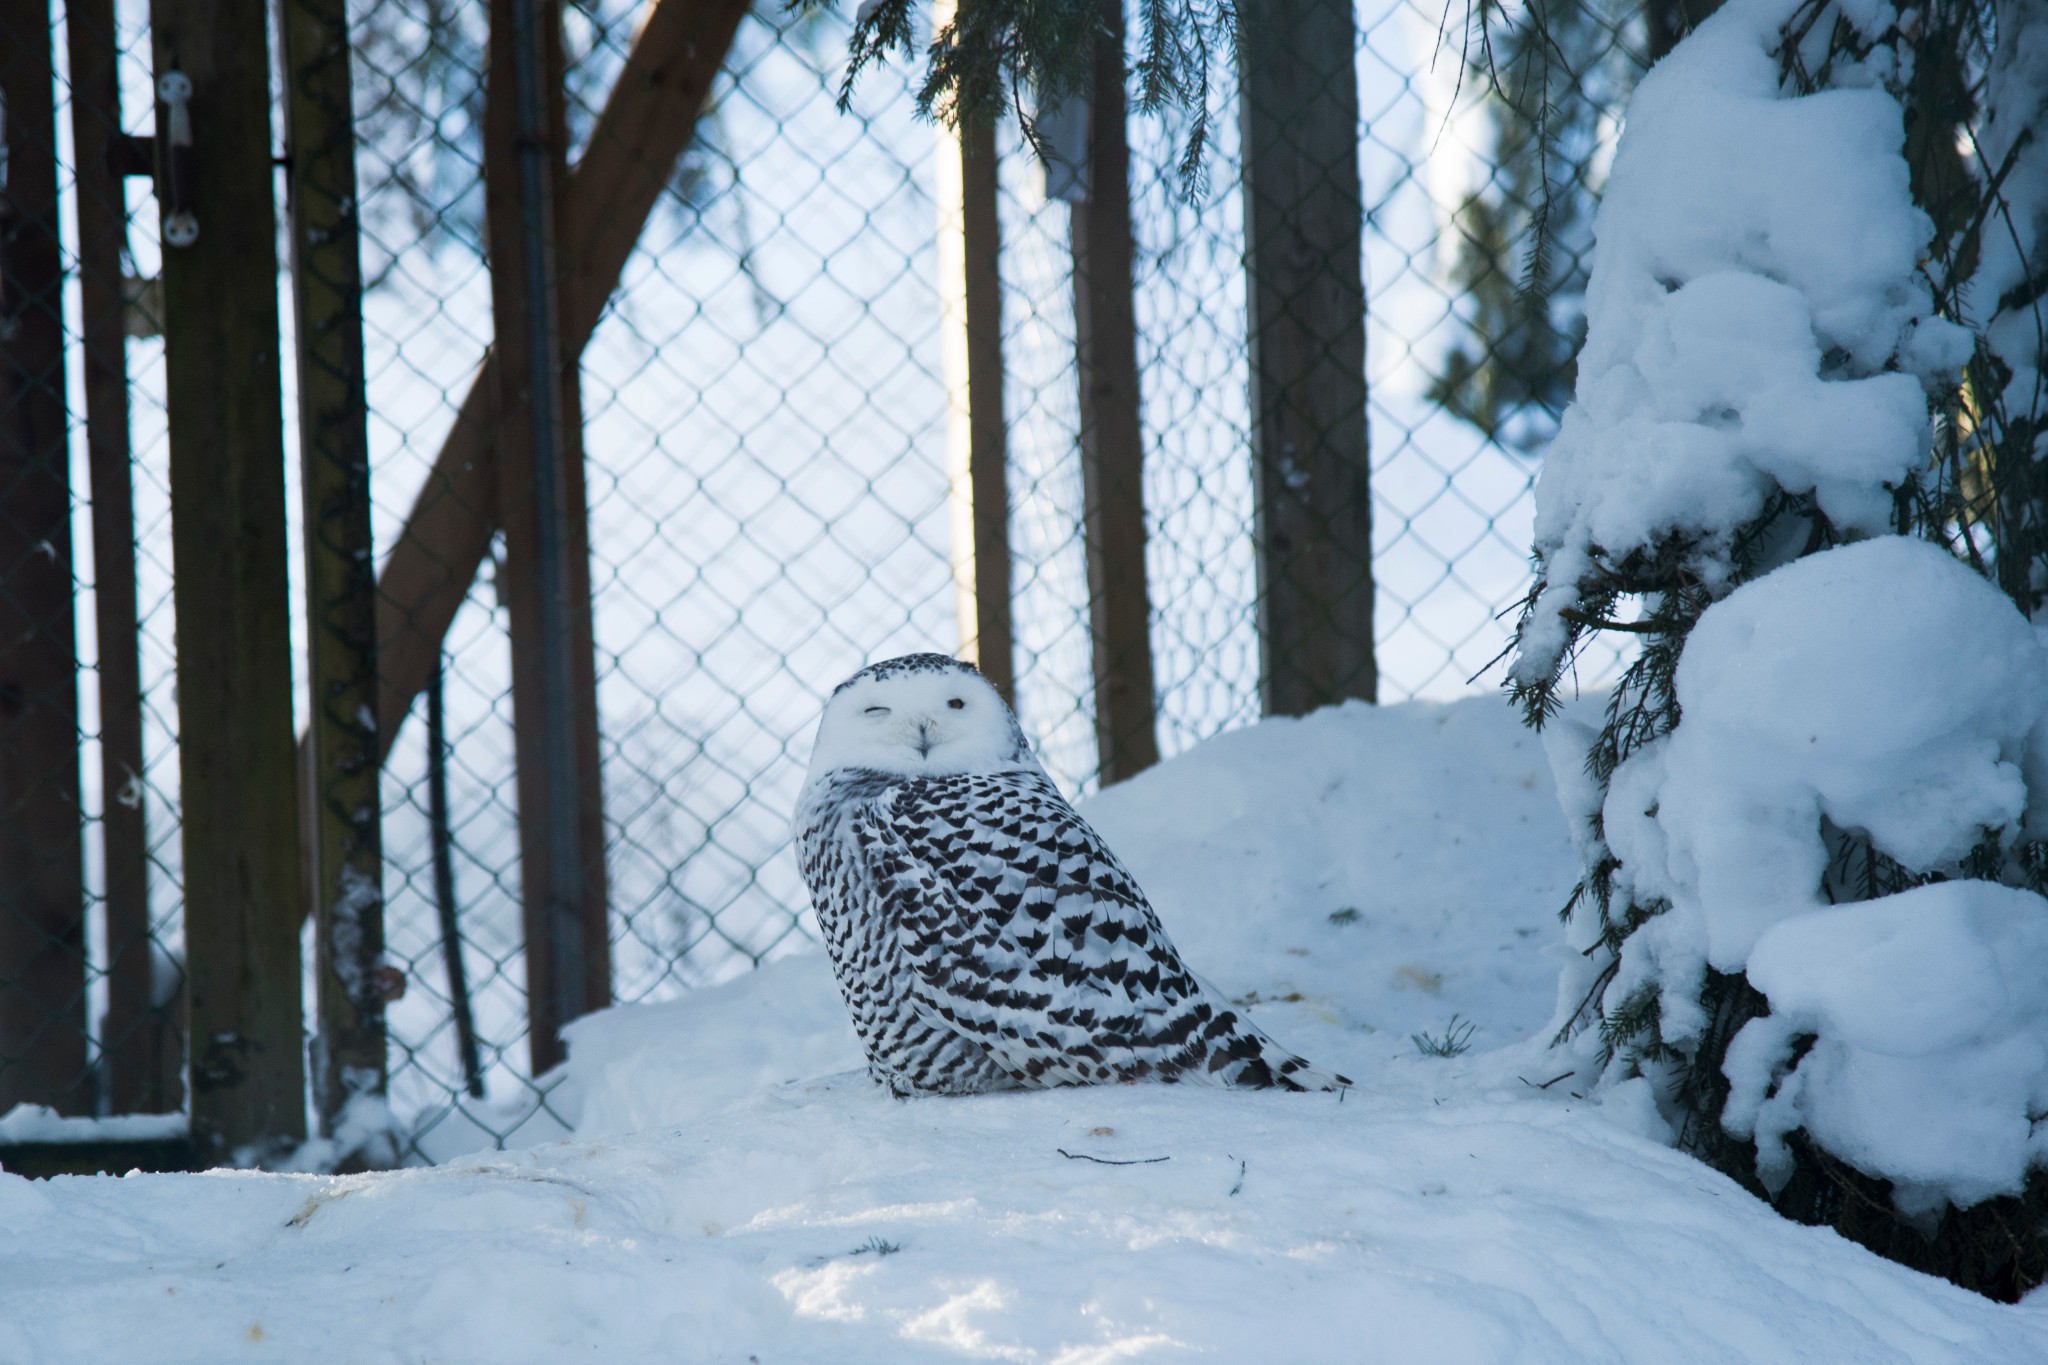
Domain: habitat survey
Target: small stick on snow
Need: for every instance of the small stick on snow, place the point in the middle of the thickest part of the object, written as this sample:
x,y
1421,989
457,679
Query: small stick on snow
x,y
1547,1084
1104,1161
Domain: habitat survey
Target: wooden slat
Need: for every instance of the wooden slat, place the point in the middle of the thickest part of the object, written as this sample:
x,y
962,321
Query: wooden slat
x,y
1304,227
545,580
136,1079
1112,436
343,842
235,742
971,354
42,912
41,1160
646,123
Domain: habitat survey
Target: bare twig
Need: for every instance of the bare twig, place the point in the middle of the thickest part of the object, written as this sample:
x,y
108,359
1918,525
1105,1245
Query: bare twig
x,y
1547,1084
1105,1161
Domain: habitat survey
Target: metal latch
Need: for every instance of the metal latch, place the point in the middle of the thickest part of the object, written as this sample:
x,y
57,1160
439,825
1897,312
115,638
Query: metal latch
x,y
181,225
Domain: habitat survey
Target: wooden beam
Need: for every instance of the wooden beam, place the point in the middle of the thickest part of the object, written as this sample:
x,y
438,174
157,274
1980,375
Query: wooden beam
x,y
42,893
543,506
1112,434
101,1156
136,1079
235,744
343,848
646,123
971,354
1304,245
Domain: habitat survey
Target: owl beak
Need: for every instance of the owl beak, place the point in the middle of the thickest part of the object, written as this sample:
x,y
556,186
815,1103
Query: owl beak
x,y
924,739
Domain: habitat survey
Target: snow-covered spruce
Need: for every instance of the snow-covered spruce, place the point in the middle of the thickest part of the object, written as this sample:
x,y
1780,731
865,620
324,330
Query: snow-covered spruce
x,y
1821,714
1756,320
1883,688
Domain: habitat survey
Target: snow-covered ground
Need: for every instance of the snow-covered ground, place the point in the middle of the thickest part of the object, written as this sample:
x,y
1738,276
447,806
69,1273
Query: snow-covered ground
x,y
738,1192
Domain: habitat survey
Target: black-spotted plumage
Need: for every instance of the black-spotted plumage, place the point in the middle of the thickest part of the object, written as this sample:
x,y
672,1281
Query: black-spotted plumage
x,y
983,935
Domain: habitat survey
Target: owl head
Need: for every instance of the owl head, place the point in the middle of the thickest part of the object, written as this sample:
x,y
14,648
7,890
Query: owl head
x,y
923,715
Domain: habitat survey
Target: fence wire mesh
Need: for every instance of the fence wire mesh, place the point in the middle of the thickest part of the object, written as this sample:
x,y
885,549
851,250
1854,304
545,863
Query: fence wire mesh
x,y
764,405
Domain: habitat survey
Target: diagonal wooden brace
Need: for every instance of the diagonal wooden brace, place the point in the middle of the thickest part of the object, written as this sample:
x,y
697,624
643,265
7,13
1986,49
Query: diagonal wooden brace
x,y
646,124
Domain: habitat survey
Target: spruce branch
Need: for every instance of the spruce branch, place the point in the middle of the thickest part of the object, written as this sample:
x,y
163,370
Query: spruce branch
x,y
979,65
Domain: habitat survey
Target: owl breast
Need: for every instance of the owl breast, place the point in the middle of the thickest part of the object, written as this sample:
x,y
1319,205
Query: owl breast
x,y
842,847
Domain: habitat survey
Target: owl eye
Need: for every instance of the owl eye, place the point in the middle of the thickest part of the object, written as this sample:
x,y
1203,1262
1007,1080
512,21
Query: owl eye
x,y
877,711
957,704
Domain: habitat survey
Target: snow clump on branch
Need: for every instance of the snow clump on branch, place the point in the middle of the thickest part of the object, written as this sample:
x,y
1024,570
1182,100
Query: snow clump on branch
x,y
1756,320
1883,688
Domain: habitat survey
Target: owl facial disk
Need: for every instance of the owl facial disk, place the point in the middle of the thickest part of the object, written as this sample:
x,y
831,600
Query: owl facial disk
x,y
930,719
929,723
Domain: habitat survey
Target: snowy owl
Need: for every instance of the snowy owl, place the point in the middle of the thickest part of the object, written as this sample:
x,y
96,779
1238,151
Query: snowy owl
x,y
983,935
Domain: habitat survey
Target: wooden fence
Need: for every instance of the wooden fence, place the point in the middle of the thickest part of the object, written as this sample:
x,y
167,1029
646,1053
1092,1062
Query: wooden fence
x,y
277,827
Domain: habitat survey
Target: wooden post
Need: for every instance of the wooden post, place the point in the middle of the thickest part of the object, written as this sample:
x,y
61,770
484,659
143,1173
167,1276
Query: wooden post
x,y
136,1077
977,439
343,847
1112,436
42,892
542,504
235,743
1304,243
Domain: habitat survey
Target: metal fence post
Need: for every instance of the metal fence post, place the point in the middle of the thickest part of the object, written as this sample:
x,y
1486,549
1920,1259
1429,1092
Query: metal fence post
x,y
1112,437
343,848
547,553
1304,256
442,838
648,120
137,1078
235,744
42,892
977,433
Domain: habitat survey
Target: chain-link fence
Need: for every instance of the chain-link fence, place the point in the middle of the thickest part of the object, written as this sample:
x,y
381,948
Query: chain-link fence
x,y
764,414
89,923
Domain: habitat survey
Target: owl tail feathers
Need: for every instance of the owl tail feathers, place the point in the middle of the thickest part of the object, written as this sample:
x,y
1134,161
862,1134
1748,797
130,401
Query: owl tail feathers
x,y
1248,1059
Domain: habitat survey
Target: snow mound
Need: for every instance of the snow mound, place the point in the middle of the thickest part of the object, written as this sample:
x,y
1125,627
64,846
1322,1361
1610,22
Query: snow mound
x,y
738,1195
1351,878
644,1066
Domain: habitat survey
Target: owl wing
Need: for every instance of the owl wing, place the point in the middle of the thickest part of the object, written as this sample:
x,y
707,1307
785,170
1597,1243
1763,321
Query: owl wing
x,y
1027,936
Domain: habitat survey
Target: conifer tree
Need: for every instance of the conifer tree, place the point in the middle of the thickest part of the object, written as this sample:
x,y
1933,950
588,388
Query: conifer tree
x,y
1555,76
1970,78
